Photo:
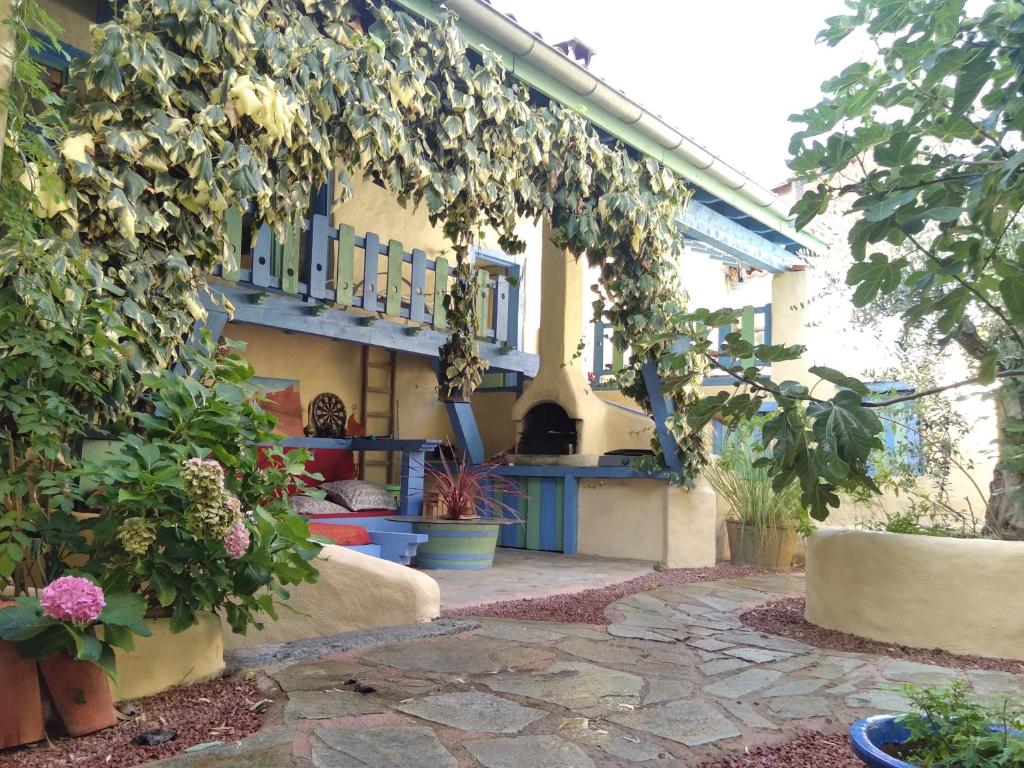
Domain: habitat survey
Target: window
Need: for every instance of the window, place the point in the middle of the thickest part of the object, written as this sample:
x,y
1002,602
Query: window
x,y
901,429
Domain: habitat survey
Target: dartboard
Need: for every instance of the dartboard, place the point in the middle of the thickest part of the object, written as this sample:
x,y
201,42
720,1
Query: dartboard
x,y
327,415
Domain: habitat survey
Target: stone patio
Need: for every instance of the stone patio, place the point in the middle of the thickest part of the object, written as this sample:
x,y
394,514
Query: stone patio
x,y
674,679
524,573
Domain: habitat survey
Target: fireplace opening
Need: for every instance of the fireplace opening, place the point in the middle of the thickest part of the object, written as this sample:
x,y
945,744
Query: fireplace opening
x,y
548,431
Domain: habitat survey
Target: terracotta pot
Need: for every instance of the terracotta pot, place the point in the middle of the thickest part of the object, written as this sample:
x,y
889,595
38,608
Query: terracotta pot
x,y
763,547
21,719
80,693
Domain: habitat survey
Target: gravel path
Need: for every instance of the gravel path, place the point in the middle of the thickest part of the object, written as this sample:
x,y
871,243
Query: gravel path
x,y
588,607
810,749
218,711
786,617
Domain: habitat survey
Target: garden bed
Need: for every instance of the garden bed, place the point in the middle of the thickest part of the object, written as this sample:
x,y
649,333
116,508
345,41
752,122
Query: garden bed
x,y
810,749
785,617
223,710
587,607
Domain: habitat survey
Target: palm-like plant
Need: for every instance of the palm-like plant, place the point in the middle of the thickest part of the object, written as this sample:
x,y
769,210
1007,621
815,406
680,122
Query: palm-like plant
x,y
746,486
472,490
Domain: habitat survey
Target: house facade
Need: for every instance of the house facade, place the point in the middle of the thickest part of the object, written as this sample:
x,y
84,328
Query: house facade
x,y
353,306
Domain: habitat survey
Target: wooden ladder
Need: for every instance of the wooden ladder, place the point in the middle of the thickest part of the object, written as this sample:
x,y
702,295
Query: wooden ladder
x,y
377,411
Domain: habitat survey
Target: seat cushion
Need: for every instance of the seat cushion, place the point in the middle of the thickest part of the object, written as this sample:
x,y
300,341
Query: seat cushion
x,y
310,507
343,535
359,495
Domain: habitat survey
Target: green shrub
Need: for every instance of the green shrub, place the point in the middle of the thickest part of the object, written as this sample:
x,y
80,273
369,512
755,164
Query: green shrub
x,y
741,480
188,472
950,730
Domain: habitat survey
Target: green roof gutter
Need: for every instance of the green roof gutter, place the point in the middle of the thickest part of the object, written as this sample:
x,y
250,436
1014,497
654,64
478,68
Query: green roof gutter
x,y
549,71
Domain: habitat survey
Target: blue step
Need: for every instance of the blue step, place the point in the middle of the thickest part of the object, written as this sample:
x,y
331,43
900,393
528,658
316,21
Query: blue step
x,y
395,540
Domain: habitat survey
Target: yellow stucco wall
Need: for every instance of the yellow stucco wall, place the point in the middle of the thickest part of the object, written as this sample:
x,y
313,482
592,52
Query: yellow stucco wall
x,y
964,596
164,659
355,591
75,18
647,520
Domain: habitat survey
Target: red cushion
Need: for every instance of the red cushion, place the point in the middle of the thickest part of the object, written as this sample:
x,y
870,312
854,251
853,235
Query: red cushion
x,y
345,535
332,463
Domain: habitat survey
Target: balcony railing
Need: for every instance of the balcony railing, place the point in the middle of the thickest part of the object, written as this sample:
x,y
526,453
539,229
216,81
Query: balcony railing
x,y
755,326
337,268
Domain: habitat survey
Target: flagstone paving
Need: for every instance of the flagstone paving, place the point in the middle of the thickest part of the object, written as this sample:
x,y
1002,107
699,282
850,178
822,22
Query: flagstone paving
x,y
674,679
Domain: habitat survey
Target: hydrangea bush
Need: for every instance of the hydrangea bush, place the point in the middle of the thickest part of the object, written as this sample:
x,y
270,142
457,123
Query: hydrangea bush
x,y
64,617
192,511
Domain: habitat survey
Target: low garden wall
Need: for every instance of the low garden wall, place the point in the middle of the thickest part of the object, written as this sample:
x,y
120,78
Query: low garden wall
x,y
960,595
164,659
354,591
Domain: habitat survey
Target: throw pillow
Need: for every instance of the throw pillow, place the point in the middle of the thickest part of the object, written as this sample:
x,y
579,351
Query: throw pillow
x,y
307,506
358,495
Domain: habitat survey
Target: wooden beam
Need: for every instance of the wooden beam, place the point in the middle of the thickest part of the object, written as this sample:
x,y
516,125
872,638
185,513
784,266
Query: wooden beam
x,y
467,434
662,408
707,225
292,314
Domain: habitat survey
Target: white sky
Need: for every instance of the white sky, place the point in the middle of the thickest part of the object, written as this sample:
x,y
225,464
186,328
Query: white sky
x,y
726,73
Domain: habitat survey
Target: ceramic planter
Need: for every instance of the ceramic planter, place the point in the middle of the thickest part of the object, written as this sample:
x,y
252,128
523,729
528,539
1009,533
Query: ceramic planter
x,y
80,692
868,736
764,547
458,545
21,720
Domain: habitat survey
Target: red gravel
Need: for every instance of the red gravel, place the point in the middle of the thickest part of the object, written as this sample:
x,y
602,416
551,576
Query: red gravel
x,y
810,749
587,607
786,617
216,711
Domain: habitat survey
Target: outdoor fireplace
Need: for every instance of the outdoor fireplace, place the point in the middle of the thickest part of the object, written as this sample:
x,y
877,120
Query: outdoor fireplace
x,y
548,430
559,419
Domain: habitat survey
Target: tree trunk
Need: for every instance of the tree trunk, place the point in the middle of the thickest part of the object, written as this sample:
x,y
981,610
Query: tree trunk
x,y
1004,514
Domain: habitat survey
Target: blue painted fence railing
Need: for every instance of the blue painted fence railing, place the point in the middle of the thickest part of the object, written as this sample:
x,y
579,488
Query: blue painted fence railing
x,y
755,326
337,268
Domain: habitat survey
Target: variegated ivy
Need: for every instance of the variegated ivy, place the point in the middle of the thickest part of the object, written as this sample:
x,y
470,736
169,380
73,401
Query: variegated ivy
x,y
189,107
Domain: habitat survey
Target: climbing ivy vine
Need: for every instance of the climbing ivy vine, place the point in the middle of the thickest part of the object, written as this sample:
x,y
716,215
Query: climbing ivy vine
x,y
187,108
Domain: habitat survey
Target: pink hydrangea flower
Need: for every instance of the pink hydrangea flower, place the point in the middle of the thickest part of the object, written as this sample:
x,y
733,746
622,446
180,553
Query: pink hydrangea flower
x,y
72,598
237,540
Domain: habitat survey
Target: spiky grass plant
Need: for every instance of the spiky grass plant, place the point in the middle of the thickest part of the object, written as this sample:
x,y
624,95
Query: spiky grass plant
x,y
472,490
747,487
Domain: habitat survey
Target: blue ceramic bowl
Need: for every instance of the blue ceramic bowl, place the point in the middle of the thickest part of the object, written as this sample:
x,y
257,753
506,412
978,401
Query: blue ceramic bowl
x,y
867,736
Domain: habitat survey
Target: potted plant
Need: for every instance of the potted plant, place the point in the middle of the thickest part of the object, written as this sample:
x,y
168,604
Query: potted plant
x,y
764,524
947,730
471,498
58,628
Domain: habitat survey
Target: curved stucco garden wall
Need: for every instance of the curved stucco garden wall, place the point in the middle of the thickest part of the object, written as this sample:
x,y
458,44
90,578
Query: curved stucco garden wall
x,y
354,591
963,596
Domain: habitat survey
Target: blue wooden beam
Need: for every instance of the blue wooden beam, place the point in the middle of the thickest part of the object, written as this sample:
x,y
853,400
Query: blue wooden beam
x,y
467,434
289,313
570,515
662,408
700,222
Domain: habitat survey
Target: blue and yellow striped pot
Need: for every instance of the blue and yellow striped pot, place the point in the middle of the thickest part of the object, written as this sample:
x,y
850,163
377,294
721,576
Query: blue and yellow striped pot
x,y
461,546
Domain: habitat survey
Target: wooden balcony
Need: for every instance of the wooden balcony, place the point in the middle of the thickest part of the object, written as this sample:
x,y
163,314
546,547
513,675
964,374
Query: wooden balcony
x,y
365,288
